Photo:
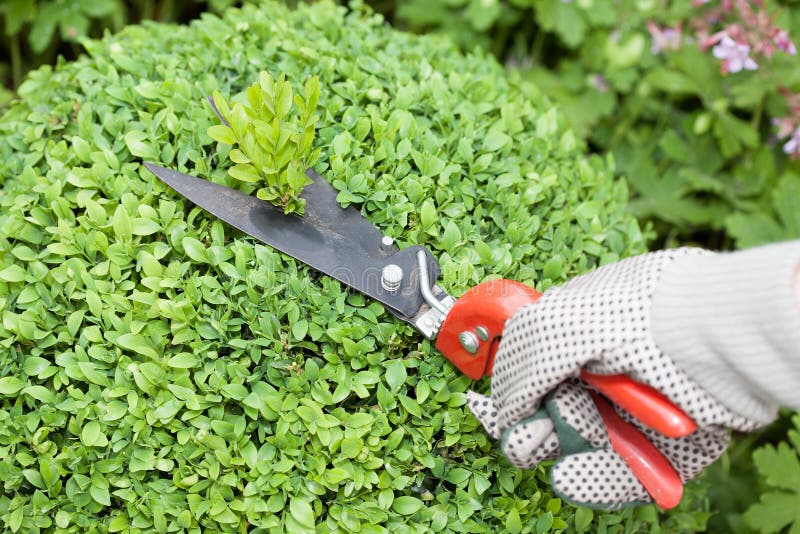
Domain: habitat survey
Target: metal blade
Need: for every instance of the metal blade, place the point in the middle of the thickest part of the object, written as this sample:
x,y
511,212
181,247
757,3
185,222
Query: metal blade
x,y
335,241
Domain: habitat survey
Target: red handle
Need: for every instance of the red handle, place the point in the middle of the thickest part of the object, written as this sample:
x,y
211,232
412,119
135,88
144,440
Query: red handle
x,y
480,316
651,407
649,466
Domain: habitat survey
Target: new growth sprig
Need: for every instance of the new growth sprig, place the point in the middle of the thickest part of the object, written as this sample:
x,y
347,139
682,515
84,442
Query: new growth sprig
x,y
272,136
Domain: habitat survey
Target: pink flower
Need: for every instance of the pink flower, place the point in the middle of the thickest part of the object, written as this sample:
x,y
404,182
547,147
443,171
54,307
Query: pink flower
x,y
792,146
666,38
785,126
735,56
782,41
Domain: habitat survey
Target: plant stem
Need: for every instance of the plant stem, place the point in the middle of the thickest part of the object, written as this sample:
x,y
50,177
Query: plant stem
x,y
755,122
536,48
16,61
148,10
167,11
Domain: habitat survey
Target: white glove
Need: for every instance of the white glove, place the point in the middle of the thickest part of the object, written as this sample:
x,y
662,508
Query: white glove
x,y
599,322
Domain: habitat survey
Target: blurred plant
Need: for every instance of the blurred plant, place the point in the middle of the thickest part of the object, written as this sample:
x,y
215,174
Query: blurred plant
x,y
747,26
779,507
37,31
683,94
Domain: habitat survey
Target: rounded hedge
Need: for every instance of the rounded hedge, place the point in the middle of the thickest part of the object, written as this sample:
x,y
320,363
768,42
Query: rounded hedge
x,y
163,372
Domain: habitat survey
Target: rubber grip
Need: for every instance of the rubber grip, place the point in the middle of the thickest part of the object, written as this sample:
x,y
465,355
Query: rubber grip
x,y
648,464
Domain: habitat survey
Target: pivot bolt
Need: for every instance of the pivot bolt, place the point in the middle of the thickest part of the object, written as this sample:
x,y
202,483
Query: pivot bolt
x,y
391,277
469,341
483,333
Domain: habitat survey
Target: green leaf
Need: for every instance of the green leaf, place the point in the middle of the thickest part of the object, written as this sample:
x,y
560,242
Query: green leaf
x,y
406,505
427,214
100,495
13,273
513,522
395,375
122,224
137,144
451,236
302,512
194,249
300,329
141,226
92,435
138,344
245,172
583,518
222,134
10,385
184,360
495,140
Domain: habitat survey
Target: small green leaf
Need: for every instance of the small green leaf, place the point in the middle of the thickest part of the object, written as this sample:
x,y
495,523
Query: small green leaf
x,y
184,360
427,214
194,249
300,329
513,522
222,134
100,495
13,273
451,236
10,385
137,144
92,435
136,343
495,140
122,224
583,518
302,512
406,505
395,375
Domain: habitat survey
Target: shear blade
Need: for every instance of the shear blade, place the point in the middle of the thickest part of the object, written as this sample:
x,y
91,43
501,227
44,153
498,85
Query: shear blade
x,y
336,241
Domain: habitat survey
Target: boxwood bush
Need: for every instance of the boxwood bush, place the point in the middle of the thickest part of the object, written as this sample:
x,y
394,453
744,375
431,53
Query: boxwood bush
x,y
163,372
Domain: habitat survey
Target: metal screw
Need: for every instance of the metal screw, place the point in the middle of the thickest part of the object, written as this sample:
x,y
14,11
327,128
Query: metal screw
x,y
483,333
386,242
469,341
391,277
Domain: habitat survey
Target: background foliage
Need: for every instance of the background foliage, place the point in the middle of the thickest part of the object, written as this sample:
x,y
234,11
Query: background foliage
x,y
698,148
37,31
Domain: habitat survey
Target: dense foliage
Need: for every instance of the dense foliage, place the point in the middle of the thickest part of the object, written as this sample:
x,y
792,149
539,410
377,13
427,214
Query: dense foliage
x,y
161,371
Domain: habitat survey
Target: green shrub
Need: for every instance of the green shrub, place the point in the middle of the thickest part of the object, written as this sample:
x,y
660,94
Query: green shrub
x,y
161,371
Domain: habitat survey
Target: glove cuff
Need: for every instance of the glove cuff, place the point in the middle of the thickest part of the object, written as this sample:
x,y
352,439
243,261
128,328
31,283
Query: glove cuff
x,y
730,321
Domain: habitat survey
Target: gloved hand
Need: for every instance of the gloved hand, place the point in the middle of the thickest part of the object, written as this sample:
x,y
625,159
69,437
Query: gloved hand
x,y
540,410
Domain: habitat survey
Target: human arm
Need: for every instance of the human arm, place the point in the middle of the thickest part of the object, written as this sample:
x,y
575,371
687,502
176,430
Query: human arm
x,y
732,322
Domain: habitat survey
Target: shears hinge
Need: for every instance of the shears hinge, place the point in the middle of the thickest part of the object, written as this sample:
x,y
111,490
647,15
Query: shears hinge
x,y
438,301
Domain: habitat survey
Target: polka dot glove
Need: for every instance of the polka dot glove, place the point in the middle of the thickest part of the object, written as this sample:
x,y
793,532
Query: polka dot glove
x,y
540,410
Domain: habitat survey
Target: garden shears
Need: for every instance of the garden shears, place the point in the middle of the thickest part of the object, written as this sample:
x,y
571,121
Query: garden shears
x,y
341,243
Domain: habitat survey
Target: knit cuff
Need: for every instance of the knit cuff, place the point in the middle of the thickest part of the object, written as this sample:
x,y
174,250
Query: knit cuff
x,y
732,323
